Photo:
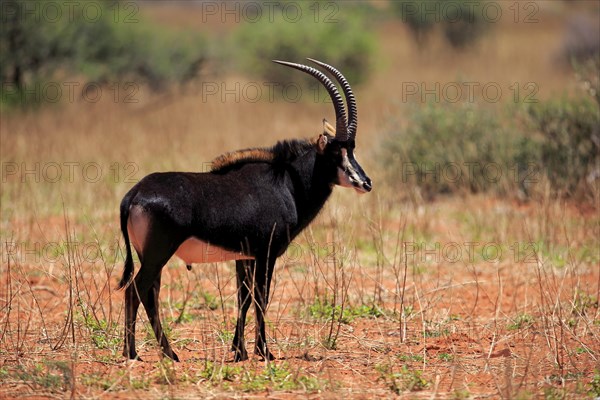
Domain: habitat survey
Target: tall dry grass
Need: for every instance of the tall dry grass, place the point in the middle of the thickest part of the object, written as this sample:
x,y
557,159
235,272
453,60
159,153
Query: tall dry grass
x,y
184,129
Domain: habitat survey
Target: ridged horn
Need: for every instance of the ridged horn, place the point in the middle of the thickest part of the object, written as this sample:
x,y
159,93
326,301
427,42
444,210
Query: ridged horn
x,y
341,127
350,99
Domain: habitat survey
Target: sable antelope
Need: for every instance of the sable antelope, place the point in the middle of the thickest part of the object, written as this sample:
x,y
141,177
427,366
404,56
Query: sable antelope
x,y
248,208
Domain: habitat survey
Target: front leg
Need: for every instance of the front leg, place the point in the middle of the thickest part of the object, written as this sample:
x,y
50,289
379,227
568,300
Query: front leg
x,y
244,273
262,282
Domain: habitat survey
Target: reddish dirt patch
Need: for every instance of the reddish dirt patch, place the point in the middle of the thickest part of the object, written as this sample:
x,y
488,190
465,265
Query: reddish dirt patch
x,y
489,329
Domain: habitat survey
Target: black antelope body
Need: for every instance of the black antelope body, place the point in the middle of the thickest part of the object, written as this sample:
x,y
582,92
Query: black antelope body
x,y
248,208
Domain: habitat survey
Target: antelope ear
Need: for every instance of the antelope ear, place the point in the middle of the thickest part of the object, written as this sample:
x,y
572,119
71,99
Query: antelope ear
x,y
321,143
328,128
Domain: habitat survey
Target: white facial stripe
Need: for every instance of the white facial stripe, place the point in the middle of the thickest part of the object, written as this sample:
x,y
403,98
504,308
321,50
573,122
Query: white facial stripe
x,y
348,176
343,179
350,173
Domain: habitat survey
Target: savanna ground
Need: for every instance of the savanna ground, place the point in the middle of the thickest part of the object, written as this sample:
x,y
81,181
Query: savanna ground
x,y
464,297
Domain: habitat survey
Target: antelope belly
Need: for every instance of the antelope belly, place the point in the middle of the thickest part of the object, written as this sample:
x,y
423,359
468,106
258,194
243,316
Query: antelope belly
x,y
197,251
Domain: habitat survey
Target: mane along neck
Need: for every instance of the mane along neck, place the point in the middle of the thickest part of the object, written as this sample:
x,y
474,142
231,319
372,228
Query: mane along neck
x,y
283,152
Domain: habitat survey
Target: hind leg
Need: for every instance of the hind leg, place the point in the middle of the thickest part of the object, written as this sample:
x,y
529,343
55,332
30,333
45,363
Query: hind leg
x,y
138,291
132,303
151,305
161,241
145,288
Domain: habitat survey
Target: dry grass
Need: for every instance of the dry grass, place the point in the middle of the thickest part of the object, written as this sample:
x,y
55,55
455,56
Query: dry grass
x,y
523,324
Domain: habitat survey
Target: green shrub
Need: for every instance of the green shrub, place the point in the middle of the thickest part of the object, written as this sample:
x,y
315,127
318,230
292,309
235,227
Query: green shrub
x,y
467,28
411,13
458,148
50,42
340,38
140,52
449,148
570,149
461,22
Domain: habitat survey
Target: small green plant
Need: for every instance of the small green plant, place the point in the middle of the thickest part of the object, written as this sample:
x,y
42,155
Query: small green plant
x,y
408,311
167,331
521,321
218,373
165,372
211,301
433,333
225,335
95,379
279,377
323,310
595,385
461,394
183,317
584,302
436,329
411,357
326,310
446,357
403,380
553,393
365,311
208,371
329,342
229,373
139,383
48,374
102,333
524,394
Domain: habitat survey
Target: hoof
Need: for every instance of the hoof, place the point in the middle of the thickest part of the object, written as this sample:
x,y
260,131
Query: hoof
x,y
240,353
131,355
171,354
266,355
134,358
240,356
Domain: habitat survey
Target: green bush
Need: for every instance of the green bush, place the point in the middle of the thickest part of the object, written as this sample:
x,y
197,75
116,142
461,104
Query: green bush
x,y
570,149
45,42
449,148
411,13
140,52
461,22
467,28
459,148
340,38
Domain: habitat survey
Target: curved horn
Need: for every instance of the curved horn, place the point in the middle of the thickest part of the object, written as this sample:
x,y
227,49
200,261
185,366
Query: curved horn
x,y
350,100
341,128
